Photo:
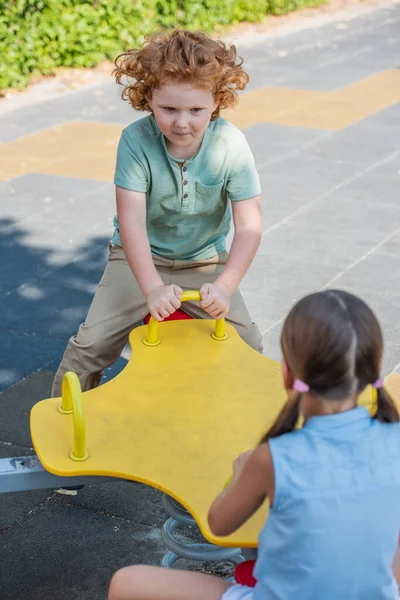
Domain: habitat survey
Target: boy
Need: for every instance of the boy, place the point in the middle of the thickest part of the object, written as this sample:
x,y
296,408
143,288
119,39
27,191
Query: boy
x,y
181,173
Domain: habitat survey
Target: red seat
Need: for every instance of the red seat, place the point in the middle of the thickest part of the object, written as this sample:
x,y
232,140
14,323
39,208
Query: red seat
x,y
178,315
244,573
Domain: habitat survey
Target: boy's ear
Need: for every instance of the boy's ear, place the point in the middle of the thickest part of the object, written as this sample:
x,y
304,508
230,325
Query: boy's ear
x,y
288,377
149,101
217,100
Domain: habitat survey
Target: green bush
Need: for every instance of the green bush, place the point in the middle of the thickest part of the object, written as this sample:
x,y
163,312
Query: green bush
x,y
206,14
37,36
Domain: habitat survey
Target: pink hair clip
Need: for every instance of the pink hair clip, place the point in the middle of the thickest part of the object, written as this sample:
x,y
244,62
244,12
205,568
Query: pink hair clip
x,y
379,383
300,386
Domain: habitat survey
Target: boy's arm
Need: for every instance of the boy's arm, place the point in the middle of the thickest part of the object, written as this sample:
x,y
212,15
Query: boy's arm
x,y
252,482
216,297
248,231
131,210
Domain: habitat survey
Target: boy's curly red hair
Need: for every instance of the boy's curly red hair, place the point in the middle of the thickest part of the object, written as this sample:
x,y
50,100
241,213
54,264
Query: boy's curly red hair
x,y
184,56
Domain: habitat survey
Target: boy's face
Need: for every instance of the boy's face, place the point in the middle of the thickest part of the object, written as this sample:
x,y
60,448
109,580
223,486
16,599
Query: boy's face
x,y
183,113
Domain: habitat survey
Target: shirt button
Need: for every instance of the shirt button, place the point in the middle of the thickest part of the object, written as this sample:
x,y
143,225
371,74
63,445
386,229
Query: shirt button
x,y
184,169
185,195
185,182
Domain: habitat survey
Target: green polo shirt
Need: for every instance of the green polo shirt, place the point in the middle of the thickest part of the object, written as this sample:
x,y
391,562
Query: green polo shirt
x,y
188,204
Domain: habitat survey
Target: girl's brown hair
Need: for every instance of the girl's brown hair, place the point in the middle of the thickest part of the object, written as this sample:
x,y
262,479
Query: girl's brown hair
x,y
332,341
183,56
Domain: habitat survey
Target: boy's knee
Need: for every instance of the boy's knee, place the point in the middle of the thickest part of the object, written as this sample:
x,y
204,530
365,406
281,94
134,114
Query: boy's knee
x,y
94,346
89,338
127,583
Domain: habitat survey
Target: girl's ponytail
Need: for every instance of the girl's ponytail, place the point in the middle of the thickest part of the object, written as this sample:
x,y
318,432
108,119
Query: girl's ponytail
x,y
286,420
386,409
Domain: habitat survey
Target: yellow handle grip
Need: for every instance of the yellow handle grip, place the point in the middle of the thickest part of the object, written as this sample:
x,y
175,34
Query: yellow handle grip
x,y
152,338
71,402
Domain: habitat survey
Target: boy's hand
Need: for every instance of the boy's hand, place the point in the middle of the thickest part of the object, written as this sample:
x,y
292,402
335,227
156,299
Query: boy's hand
x,y
215,299
163,301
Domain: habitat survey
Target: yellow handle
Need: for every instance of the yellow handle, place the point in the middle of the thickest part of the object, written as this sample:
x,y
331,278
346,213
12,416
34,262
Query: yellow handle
x,y
193,295
71,402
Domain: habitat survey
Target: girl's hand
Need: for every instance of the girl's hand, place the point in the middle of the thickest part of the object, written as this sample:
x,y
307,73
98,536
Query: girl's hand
x,y
215,299
239,462
163,301
252,481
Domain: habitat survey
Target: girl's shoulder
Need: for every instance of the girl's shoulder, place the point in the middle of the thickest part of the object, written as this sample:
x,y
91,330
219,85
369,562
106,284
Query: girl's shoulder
x,y
289,440
304,442
386,431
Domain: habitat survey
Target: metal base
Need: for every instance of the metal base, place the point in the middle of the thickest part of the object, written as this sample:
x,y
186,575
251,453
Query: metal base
x,y
203,552
24,473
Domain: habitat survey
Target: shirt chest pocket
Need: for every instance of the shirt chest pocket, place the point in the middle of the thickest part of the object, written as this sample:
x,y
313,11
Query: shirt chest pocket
x,y
209,198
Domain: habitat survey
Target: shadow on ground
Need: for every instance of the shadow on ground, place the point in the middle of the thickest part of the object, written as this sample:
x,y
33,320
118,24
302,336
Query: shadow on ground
x,y
43,299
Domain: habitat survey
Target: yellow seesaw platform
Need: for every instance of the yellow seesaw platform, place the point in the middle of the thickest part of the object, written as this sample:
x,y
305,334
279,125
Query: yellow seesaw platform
x,y
174,418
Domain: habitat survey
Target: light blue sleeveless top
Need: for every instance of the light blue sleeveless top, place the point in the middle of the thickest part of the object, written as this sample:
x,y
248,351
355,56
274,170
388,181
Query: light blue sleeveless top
x,y
334,527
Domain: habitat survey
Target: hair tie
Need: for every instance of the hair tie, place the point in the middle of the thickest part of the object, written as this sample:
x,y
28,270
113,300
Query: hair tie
x,y
378,384
300,386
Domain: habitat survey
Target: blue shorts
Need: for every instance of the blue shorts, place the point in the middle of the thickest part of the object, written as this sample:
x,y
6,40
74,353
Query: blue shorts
x,y
238,592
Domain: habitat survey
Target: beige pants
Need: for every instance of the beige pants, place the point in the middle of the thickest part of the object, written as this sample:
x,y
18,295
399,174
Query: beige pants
x,y
119,305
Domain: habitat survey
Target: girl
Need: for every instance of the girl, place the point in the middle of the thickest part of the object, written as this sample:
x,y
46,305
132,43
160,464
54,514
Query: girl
x,y
333,485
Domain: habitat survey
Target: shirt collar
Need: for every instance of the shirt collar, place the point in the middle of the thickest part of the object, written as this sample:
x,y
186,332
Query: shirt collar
x,y
356,416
